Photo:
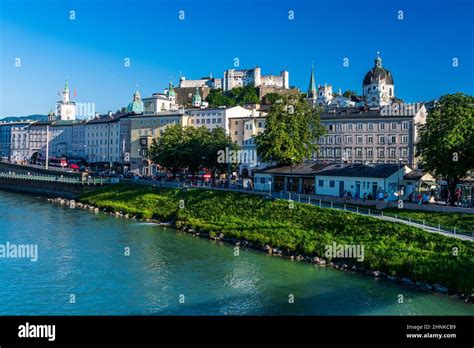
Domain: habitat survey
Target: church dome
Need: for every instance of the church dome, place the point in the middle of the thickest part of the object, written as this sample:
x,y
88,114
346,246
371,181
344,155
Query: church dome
x,y
377,73
136,106
171,92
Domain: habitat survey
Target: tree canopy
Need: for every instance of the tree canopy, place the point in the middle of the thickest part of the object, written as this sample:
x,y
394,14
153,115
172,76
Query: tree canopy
x,y
291,132
192,148
446,141
236,96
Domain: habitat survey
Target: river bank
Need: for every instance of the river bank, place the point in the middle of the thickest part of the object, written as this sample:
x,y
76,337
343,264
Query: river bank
x,y
219,216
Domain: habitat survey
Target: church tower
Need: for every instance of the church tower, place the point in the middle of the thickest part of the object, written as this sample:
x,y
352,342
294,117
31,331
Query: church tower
x,y
66,109
196,101
312,93
378,88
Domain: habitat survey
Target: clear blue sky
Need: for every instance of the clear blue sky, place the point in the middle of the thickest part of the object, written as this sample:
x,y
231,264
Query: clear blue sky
x,y
90,50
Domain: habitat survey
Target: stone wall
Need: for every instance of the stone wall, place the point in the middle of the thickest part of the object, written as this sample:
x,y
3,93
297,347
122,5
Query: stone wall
x,y
46,188
6,167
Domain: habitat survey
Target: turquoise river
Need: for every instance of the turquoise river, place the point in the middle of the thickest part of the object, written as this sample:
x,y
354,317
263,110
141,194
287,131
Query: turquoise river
x,y
82,269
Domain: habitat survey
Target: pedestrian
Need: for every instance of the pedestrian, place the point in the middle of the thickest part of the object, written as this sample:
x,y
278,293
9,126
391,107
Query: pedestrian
x,y
364,197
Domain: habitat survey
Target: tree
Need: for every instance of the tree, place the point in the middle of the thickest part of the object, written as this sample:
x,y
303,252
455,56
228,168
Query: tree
x,y
191,148
236,96
291,132
348,93
169,150
447,139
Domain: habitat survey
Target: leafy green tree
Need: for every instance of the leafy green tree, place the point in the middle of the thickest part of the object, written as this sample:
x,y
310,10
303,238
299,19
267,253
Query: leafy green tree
x,y
216,98
272,97
447,139
348,93
191,148
291,132
169,150
236,96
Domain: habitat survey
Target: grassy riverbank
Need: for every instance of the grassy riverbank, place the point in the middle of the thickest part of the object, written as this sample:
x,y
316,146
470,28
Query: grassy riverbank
x,y
459,221
396,249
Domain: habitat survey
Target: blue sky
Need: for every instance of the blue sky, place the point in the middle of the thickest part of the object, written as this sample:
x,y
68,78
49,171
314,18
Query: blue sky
x,y
91,49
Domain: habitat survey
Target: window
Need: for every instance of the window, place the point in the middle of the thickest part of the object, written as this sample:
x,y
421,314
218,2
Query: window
x,y
358,152
381,126
349,140
404,152
359,126
370,139
370,152
330,140
321,183
393,139
393,125
404,125
359,139
330,153
392,152
338,127
332,183
338,139
370,126
404,139
381,153
349,126
381,139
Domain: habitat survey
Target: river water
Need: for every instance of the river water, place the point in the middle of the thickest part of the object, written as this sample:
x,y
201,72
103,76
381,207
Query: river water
x,y
82,269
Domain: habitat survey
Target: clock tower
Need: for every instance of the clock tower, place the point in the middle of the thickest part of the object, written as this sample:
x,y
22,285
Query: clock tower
x,y
378,88
66,109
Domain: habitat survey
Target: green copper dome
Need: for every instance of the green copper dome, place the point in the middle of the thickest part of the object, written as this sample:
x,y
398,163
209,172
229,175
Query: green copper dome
x,y
171,92
136,106
196,96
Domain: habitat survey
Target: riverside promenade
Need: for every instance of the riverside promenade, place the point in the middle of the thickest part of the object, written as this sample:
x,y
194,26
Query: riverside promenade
x,y
325,203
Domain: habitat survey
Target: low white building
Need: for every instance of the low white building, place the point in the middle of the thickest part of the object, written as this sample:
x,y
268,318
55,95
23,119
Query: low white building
x,y
359,180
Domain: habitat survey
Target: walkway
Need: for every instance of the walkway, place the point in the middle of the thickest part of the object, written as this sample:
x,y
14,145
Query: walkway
x,y
314,200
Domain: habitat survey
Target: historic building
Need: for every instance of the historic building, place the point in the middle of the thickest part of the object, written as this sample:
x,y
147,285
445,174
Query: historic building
x,y
377,128
378,88
136,105
253,77
143,130
362,135
161,101
66,109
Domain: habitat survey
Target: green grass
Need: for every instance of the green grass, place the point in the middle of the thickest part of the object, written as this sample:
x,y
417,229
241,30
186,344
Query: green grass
x,y
460,221
397,249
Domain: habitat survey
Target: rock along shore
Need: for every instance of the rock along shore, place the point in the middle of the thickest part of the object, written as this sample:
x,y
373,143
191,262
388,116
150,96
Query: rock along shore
x,y
317,261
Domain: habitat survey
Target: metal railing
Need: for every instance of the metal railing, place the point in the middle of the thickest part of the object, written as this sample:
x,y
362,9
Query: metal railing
x,y
58,178
317,201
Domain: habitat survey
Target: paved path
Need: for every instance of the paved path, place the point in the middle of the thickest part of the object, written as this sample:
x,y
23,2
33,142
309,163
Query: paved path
x,y
314,200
